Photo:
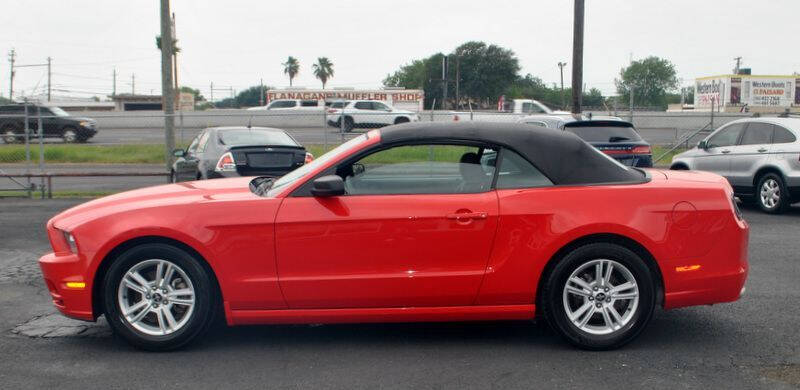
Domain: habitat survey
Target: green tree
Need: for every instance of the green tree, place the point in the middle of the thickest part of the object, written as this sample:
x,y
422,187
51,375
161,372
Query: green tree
x,y
323,70
246,98
198,97
422,74
291,68
486,71
651,79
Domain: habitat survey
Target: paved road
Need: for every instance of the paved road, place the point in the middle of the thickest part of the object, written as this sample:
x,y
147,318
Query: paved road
x,y
752,343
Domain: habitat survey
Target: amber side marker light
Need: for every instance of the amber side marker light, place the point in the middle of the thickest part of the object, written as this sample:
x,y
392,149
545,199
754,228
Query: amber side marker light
x,y
78,285
686,268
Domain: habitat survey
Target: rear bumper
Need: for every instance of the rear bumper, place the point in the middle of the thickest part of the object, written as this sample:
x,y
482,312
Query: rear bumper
x,y
71,300
721,274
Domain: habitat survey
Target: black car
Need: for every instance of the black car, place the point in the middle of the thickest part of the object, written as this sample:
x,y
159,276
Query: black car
x,y
618,139
55,123
238,151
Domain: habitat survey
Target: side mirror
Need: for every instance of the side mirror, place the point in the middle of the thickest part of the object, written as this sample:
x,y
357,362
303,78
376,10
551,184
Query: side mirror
x,y
179,153
331,185
702,145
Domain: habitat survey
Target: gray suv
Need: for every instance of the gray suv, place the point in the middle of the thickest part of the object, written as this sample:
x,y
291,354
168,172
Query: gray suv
x,y
760,157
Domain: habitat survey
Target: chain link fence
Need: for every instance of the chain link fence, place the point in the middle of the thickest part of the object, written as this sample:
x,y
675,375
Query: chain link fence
x,y
46,150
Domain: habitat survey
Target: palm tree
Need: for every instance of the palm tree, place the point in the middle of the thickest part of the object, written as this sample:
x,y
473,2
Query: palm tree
x,y
291,67
323,69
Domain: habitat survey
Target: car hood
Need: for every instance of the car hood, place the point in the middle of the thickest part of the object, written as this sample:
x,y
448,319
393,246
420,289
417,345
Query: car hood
x,y
185,193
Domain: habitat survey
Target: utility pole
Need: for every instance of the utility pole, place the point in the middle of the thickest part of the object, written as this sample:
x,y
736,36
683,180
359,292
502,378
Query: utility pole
x,y
261,93
133,84
167,94
630,90
561,66
444,82
12,55
114,82
458,77
577,58
738,62
49,63
175,64
212,93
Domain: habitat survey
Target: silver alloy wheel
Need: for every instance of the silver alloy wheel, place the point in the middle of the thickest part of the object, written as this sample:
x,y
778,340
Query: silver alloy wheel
x,y
770,193
69,136
9,137
601,297
156,297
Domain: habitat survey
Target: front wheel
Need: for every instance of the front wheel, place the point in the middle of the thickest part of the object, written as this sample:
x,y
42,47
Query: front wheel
x,y
771,194
69,135
599,296
158,297
9,135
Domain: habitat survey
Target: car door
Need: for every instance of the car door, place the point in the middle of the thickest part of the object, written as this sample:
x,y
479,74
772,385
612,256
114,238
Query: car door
x,y
414,228
751,153
50,122
186,166
383,114
715,157
362,112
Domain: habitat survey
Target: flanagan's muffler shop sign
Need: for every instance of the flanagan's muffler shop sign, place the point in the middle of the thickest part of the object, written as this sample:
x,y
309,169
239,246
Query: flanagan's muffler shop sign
x,y
407,98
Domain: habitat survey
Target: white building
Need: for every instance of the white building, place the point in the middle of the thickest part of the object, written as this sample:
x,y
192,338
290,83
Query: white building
x,y
759,93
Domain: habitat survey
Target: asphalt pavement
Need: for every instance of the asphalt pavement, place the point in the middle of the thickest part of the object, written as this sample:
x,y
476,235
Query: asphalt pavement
x,y
752,343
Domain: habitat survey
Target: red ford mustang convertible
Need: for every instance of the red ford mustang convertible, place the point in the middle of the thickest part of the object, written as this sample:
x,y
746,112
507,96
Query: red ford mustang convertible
x,y
415,222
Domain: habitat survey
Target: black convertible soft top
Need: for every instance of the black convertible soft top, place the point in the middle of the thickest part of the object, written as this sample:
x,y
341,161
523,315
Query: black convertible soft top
x,y
560,155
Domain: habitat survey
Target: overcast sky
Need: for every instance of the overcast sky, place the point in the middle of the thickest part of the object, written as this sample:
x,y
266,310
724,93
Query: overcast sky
x,y
234,43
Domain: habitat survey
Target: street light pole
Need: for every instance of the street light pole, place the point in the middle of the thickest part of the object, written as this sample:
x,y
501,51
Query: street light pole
x,y
561,66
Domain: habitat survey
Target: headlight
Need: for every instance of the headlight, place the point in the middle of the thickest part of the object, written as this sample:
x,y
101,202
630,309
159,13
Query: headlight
x,y
84,124
70,239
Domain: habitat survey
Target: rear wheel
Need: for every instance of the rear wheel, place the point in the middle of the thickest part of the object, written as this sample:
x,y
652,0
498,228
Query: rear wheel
x,y
158,297
771,194
400,120
599,296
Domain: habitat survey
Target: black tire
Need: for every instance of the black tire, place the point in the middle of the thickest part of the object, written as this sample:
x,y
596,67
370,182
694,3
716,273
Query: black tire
x,y
400,120
173,178
10,135
553,300
70,135
348,124
205,297
783,201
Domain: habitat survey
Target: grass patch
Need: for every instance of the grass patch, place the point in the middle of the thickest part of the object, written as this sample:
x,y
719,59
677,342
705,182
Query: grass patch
x,y
98,154
667,160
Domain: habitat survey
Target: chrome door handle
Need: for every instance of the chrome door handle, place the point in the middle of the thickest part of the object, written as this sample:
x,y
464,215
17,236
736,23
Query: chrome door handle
x,y
725,151
466,216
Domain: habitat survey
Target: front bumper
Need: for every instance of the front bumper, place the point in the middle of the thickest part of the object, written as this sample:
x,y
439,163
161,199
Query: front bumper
x,y
70,290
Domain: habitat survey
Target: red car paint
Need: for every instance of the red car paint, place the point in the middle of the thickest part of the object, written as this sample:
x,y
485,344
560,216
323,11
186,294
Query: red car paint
x,y
381,258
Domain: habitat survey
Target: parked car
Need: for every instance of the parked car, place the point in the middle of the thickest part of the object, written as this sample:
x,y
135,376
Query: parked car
x,y
558,121
55,123
290,104
760,157
406,224
367,114
238,151
616,138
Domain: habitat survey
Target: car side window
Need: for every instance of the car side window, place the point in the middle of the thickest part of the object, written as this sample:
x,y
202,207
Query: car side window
x,y
517,172
727,136
203,142
379,106
309,103
537,123
193,146
363,105
782,136
421,169
757,133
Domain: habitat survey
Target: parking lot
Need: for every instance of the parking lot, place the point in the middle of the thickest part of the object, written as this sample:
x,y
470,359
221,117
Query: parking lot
x,y
752,343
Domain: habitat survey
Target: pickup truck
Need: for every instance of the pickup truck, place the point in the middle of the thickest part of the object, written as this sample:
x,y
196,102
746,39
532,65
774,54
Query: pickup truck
x,y
509,111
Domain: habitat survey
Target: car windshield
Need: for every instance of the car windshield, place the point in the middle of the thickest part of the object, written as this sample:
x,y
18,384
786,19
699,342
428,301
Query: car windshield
x,y
304,170
255,137
57,111
604,133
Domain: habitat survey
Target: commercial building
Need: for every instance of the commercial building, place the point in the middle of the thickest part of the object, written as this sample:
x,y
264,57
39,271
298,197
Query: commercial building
x,y
746,92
